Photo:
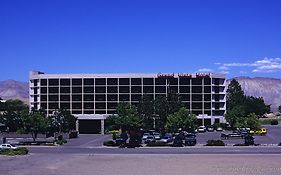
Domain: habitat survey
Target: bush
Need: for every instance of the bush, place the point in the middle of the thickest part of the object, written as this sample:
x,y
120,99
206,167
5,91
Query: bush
x,y
13,152
279,144
274,122
73,134
241,144
61,142
154,144
215,143
109,143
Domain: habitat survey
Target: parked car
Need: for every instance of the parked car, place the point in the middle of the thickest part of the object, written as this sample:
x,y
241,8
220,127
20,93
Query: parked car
x,y
219,129
157,136
201,129
120,140
190,140
7,146
210,129
261,132
150,139
145,135
167,139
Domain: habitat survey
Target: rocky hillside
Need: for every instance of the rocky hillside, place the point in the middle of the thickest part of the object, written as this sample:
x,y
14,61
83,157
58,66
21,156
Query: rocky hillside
x,y
268,88
11,89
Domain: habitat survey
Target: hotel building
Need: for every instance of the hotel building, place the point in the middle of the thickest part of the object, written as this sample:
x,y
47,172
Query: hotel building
x,y
93,97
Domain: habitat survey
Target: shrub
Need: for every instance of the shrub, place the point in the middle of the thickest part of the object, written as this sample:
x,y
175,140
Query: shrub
x,y
109,143
274,122
279,144
73,134
215,143
12,152
152,144
61,142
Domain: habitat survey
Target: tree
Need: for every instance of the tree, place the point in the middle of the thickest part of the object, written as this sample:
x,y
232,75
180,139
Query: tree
x,y
11,116
234,94
127,117
233,115
34,122
181,119
251,121
146,110
161,111
62,121
256,105
279,108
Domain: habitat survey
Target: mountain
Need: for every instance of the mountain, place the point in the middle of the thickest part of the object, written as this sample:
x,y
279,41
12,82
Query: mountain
x,y
268,88
11,89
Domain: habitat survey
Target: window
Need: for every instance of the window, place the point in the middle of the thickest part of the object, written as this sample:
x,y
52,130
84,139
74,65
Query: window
x,y
100,89
53,97
196,97
136,81
112,89
160,89
76,105
196,89
100,105
184,89
136,89
65,98
207,81
89,105
124,97
148,81
123,81
88,89
43,98
76,97
184,81
160,81
65,82
173,81
53,82
53,90
43,82
124,89
112,105
112,81
65,105
88,97
64,89
136,97
112,97
89,81
76,89
77,82
53,105
196,81
100,81
100,97
148,89
207,89
185,97
173,89
43,90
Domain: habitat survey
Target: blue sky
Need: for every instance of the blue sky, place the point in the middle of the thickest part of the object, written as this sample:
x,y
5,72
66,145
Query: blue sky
x,y
236,37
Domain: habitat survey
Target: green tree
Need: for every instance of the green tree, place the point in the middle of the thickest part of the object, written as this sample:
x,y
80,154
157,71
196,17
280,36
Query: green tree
x,y
11,114
181,119
127,117
146,110
62,121
161,111
251,121
256,105
234,94
34,122
233,115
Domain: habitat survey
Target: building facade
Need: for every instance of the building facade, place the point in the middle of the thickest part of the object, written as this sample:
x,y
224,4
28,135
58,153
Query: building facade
x,y
93,97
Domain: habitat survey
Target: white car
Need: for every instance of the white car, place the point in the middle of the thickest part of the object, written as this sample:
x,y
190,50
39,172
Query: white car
x,y
145,135
202,129
7,146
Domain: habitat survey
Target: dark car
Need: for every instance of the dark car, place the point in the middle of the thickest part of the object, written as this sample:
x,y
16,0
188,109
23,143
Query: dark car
x,y
190,140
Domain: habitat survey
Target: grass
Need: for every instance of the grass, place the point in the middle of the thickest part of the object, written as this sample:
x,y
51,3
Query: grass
x,y
13,152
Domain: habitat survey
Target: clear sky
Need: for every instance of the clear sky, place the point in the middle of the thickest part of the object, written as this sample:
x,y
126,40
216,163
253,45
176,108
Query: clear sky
x,y
236,37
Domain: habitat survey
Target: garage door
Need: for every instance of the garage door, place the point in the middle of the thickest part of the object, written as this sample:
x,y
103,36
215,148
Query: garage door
x,y
89,126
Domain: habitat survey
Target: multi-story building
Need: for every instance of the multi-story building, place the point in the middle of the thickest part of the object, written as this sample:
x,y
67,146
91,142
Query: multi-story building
x,y
93,97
